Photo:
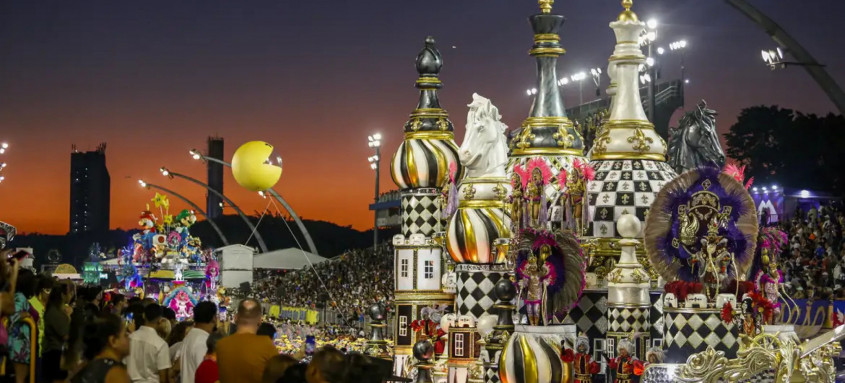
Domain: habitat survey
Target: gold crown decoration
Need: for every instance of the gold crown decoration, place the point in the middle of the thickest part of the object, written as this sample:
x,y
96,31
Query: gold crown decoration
x,y
628,14
546,5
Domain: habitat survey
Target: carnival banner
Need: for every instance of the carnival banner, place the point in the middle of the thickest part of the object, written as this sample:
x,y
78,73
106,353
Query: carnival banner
x,y
297,314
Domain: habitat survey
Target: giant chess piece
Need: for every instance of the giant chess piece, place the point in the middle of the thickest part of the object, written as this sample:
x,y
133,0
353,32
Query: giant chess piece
x,y
695,142
377,346
505,293
423,164
423,351
628,301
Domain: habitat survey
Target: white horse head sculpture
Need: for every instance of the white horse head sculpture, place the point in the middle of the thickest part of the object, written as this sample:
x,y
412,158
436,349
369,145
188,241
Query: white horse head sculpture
x,y
484,152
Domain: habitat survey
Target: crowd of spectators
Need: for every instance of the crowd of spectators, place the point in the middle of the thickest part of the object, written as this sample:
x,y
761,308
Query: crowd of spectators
x,y
350,284
813,261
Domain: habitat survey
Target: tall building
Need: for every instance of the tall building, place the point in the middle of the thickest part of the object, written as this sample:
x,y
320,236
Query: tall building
x,y
215,178
90,191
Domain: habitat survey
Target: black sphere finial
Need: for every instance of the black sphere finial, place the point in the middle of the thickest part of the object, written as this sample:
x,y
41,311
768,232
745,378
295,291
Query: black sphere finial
x,y
377,312
505,290
423,350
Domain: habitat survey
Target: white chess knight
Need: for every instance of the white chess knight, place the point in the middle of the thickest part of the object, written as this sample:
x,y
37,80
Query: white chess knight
x,y
484,151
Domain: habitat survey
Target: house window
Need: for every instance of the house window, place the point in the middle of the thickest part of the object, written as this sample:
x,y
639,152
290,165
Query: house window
x,y
403,326
428,270
459,344
403,268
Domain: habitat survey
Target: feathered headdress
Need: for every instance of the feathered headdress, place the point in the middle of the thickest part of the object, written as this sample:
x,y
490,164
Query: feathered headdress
x,y
540,163
585,169
567,262
561,179
523,174
667,224
738,173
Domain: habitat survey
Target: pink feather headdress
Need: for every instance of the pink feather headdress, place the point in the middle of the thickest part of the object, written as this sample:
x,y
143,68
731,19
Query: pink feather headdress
x,y
540,163
738,173
561,178
586,170
453,169
523,175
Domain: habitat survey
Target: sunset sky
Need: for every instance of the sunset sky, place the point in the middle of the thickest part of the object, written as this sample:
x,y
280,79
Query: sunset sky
x,y
153,79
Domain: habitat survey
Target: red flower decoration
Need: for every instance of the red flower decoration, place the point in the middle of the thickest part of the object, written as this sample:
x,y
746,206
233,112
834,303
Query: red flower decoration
x,y
568,356
728,313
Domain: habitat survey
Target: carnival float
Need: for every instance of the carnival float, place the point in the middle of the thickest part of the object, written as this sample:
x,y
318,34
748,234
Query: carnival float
x,y
526,256
165,262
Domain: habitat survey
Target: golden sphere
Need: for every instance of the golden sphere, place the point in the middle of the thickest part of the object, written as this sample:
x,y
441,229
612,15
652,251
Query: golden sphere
x,y
256,167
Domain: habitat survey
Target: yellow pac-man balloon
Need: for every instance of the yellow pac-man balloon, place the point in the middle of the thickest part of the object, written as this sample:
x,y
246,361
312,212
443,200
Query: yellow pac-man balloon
x,y
255,166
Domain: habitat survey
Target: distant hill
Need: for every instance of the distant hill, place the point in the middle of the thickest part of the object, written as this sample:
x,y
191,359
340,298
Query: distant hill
x,y
331,240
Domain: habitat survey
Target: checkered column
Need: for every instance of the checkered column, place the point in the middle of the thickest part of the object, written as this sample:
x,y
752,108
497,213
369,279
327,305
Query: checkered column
x,y
590,315
689,331
491,366
626,321
475,287
421,212
656,317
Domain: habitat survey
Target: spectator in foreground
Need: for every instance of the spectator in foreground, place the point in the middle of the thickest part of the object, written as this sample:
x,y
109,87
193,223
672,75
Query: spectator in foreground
x,y
207,372
276,368
327,366
20,333
175,341
106,344
194,346
56,330
242,356
149,359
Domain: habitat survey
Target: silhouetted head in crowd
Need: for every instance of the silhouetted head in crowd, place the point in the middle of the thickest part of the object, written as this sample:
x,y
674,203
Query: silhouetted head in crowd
x,y
328,365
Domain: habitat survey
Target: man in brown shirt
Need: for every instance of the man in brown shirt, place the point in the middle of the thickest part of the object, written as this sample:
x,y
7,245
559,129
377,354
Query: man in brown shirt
x,y
241,357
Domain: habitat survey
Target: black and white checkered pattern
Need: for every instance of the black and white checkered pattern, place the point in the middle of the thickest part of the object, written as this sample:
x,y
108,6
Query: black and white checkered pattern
x,y
656,315
491,375
623,187
421,212
627,319
475,290
687,333
590,315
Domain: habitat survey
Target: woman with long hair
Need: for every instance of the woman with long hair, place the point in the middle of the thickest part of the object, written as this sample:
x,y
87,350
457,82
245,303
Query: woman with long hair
x,y
56,330
105,345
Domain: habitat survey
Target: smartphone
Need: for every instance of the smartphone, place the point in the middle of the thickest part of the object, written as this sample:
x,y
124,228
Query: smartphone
x,y
19,255
310,345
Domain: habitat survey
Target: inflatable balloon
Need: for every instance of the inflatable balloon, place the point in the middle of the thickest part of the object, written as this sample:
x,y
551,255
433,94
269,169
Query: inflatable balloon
x,y
255,166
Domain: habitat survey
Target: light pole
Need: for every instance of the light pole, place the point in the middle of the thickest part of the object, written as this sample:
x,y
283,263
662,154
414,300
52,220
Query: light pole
x,y
579,77
261,244
192,204
3,147
195,154
596,73
648,39
374,141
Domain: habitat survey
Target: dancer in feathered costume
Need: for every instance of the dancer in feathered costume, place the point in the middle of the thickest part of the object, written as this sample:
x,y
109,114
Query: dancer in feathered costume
x,y
550,273
573,186
535,192
516,201
769,278
449,194
581,361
